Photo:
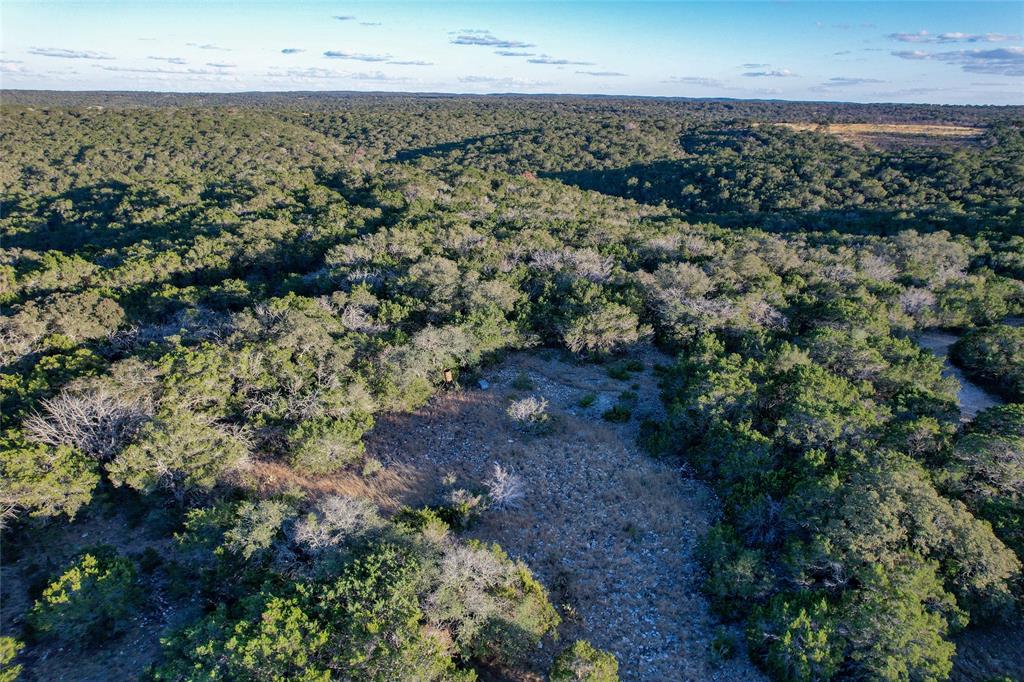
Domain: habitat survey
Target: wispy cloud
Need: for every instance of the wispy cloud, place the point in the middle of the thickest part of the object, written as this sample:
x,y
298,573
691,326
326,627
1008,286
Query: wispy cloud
x,y
508,82
169,60
695,80
221,65
344,17
410,62
315,74
953,37
14,67
356,56
307,74
161,70
844,82
778,73
841,81
370,23
912,54
485,39
602,73
1002,61
63,53
292,50
755,66
16,70
378,77
209,46
548,59
513,53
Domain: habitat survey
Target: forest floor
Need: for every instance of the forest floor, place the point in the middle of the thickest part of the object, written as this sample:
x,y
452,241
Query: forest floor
x,y
53,547
608,529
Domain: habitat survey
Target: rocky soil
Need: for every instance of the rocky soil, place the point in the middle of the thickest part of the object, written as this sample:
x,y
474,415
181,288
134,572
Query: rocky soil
x,y
610,530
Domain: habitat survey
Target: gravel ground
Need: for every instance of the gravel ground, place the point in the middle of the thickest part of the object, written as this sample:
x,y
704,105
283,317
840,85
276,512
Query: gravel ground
x,y
608,529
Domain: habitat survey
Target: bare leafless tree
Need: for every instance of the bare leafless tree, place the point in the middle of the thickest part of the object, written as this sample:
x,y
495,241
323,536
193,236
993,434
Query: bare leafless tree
x,y
95,421
504,488
336,519
530,413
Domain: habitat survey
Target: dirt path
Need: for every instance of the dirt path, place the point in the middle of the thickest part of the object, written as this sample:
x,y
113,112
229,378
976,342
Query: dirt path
x,y
971,397
609,530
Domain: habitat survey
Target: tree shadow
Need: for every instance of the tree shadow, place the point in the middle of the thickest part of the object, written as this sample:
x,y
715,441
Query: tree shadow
x,y
678,184
443,149
109,215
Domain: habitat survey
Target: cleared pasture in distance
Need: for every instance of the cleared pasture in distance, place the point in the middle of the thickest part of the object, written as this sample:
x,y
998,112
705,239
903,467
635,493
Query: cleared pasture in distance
x,y
887,135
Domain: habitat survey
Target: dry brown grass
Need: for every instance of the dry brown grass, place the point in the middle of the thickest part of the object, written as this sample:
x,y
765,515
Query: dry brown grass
x,y
893,134
933,130
385,488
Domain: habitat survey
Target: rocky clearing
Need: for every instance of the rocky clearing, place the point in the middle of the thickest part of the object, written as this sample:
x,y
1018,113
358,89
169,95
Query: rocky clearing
x,y
607,528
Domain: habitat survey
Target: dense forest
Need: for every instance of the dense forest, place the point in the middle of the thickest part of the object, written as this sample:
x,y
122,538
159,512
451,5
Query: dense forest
x,y
195,288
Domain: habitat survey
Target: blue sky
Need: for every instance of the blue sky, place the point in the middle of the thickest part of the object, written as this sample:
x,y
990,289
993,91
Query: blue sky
x,y
940,52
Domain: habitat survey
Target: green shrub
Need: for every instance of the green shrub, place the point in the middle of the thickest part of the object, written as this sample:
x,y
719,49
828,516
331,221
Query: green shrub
x,y
179,451
603,328
797,638
365,624
257,525
44,480
92,600
617,413
723,645
618,371
323,445
581,662
736,575
1001,420
523,382
9,649
587,400
994,356
417,519
656,438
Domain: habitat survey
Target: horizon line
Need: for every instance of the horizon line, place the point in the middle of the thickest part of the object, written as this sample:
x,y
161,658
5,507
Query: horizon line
x,y
432,93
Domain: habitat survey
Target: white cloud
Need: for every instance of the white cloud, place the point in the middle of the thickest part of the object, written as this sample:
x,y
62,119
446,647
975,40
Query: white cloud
x,y
778,73
695,80
63,53
1002,61
161,70
502,81
602,74
209,46
952,37
356,56
486,39
548,59
170,60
